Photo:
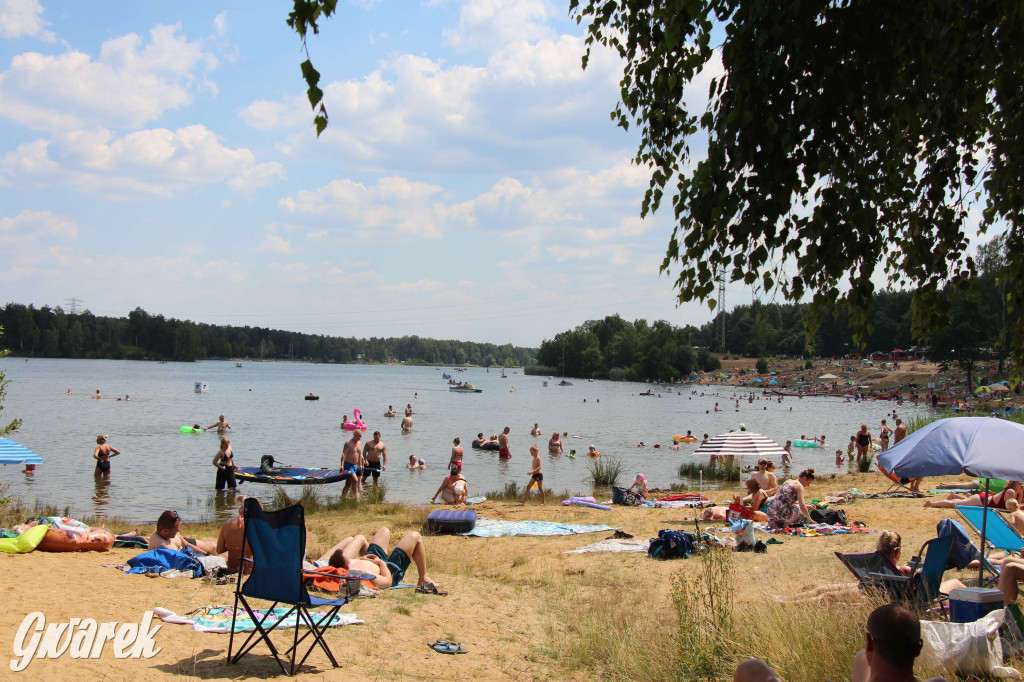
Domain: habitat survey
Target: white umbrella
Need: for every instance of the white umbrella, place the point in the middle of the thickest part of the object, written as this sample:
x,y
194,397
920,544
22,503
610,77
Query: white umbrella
x,y
828,376
741,443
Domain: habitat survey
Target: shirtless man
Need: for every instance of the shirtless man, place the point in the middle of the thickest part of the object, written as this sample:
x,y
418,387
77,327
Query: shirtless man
x,y
900,432
535,431
168,536
222,426
408,410
352,462
406,424
456,459
232,534
503,450
375,458
391,411
356,554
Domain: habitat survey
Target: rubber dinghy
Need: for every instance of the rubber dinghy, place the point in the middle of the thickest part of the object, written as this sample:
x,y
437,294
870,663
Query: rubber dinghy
x,y
291,475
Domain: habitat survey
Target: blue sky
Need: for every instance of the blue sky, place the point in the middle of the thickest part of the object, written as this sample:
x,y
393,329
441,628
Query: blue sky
x,y
471,184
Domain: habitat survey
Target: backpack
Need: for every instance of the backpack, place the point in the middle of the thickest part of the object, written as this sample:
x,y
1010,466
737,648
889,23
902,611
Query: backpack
x,y
627,497
833,517
672,544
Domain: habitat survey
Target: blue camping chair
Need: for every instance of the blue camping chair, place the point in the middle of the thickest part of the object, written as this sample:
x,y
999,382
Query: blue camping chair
x,y
922,586
998,534
277,541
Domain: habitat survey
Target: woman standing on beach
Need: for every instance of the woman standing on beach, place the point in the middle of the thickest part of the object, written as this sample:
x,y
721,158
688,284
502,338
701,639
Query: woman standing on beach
x,y
102,455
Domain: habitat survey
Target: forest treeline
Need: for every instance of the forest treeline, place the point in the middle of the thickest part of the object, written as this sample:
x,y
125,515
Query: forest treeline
x,y
616,349
54,333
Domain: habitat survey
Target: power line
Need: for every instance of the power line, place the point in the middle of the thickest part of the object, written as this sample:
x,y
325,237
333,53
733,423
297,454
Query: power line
x,y
73,304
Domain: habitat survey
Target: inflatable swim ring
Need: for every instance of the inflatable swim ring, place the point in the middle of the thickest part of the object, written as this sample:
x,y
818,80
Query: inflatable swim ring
x,y
486,445
684,439
593,454
806,444
56,540
358,424
189,429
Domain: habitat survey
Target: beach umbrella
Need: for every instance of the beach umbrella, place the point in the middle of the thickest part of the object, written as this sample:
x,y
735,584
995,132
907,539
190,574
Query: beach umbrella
x,y
756,379
16,453
740,443
828,376
983,447
982,389
773,381
1000,387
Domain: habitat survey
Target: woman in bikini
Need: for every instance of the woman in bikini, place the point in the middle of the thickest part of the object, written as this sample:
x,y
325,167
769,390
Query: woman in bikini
x,y
102,455
1014,490
224,460
555,444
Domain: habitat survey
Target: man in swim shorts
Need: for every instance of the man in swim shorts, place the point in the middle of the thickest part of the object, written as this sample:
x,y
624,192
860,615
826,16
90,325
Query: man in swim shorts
x,y
352,463
221,424
406,424
375,458
356,554
503,450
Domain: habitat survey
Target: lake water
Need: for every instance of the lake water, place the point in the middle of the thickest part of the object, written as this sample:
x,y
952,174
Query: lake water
x,y
160,468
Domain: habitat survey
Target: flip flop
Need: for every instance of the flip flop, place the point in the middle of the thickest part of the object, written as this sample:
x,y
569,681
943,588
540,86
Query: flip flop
x,y
443,646
430,588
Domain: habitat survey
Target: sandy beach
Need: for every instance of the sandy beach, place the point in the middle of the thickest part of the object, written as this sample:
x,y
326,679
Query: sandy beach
x,y
522,608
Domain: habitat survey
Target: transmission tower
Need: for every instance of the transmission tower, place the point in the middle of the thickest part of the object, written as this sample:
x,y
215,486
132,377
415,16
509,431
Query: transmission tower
x,y
73,304
721,310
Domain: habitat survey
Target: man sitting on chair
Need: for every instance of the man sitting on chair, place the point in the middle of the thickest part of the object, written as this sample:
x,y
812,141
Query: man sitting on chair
x,y
356,554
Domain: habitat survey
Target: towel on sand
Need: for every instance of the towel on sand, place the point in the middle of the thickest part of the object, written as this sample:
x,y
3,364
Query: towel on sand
x,y
492,528
613,545
218,618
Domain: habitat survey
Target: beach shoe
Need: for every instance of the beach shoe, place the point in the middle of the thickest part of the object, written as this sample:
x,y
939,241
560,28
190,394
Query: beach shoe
x,y
430,588
443,646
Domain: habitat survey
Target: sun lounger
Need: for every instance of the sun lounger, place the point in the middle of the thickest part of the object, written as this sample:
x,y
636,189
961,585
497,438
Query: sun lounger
x,y
998,533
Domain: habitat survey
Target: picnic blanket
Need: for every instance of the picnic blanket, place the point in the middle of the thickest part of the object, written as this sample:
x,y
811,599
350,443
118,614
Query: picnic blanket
x,y
613,545
218,618
861,495
819,529
492,528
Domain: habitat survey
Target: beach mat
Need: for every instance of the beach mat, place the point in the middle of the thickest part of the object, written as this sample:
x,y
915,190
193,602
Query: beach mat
x,y
613,545
218,618
492,528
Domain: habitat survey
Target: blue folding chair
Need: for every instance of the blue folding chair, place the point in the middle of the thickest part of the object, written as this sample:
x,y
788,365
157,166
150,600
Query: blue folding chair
x,y
923,583
277,541
998,533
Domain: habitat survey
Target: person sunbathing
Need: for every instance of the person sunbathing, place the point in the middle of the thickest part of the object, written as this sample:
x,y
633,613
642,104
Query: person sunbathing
x,y
755,501
890,544
356,554
168,536
1014,490
232,535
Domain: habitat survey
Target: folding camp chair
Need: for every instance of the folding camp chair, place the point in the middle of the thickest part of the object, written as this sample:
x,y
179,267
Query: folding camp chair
x,y
922,586
277,541
874,571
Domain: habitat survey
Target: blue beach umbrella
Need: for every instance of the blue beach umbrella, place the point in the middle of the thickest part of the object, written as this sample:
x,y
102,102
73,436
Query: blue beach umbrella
x,y
16,453
984,447
773,381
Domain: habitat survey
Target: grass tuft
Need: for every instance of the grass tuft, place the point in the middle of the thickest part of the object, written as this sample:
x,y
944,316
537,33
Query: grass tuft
x,y
605,471
722,470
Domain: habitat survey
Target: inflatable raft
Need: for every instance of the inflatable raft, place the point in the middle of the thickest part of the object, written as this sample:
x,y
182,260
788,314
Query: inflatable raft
x,y
291,475
58,540
486,445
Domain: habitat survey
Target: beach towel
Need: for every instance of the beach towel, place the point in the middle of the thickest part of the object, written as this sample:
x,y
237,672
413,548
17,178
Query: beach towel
x,y
673,504
819,529
218,618
160,560
613,545
963,550
492,528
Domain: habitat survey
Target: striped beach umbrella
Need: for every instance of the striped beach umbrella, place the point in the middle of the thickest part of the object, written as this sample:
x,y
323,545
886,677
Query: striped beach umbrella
x,y
16,453
740,444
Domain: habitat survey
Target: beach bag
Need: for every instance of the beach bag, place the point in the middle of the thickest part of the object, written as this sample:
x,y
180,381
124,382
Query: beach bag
x,y
833,517
627,497
672,544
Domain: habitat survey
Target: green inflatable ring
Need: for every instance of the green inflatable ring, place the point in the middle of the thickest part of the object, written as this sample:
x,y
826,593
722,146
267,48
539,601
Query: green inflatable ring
x,y
189,429
806,443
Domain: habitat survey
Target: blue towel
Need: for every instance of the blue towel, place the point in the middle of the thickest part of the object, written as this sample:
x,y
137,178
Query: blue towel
x,y
963,550
160,560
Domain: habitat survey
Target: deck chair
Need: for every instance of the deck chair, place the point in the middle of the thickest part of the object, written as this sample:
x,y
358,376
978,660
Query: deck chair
x,y
278,543
927,569
998,535
874,571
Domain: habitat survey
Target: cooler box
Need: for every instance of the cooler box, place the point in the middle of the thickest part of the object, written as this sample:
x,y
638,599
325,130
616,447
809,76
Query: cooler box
x,y
452,521
968,604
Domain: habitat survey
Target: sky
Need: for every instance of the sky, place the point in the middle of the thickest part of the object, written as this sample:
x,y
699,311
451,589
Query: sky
x,y
471,183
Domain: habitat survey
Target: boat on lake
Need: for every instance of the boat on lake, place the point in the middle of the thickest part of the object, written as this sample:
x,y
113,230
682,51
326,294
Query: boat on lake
x,y
465,388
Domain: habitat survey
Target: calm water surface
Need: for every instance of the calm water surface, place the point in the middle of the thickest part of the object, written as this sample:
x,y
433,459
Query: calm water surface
x,y
160,468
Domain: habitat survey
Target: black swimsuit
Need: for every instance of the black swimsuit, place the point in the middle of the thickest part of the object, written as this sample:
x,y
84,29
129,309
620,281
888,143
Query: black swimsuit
x,y
863,440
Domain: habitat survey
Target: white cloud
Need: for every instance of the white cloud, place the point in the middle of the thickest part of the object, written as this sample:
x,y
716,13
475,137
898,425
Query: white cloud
x,y
220,22
34,226
155,162
274,244
22,18
484,23
126,86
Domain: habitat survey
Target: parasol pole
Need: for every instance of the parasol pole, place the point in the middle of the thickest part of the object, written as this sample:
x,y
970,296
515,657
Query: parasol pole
x,y
984,523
